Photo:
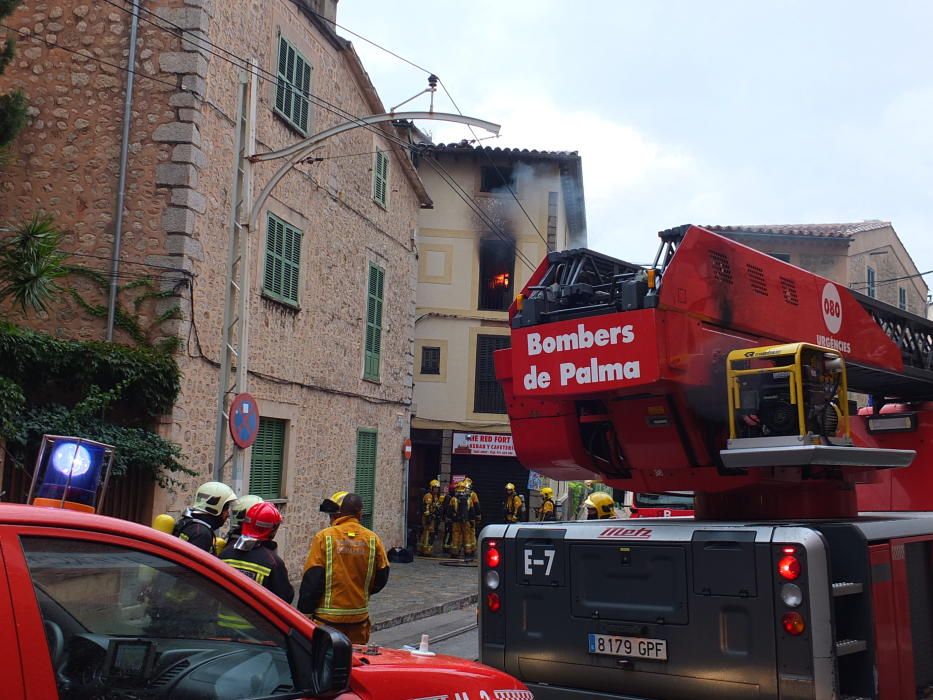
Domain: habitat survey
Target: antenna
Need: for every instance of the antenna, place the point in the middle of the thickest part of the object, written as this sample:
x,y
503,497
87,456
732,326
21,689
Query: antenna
x,y
431,88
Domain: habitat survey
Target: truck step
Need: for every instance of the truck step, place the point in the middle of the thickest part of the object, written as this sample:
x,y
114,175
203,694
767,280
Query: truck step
x,y
847,588
850,646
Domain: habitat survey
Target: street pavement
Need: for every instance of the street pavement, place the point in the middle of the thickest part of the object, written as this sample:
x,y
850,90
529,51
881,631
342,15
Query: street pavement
x,y
453,633
424,588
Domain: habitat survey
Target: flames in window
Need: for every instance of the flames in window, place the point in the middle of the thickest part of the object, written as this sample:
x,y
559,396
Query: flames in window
x,y
499,281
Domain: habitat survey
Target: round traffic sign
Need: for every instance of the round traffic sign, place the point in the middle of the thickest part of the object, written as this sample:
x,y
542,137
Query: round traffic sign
x,y
244,420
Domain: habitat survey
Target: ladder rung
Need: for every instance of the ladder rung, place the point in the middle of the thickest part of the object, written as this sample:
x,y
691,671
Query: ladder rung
x,y
847,588
850,646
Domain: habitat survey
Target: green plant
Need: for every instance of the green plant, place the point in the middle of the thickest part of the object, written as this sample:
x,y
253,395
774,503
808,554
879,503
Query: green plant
x,y
13,104
31,264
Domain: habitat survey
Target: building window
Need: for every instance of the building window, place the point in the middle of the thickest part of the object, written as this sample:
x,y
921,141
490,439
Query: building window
x,y
283,261
381,178
497,179
373,349
870,291
496,267
488,396
268,457
293,86
902,298
785,257
552,220
430,360
365,484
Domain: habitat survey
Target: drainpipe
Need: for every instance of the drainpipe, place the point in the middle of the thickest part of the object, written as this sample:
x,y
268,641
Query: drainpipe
x,y
121,183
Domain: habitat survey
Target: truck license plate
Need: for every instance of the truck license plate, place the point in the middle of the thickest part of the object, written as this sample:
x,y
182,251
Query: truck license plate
x,y
634,647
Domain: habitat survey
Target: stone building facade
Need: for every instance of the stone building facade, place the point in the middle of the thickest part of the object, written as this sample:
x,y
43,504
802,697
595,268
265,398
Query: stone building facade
x,y
332,229
477,248
866,256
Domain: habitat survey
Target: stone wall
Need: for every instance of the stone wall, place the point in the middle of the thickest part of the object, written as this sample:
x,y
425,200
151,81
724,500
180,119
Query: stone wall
x,y
307,362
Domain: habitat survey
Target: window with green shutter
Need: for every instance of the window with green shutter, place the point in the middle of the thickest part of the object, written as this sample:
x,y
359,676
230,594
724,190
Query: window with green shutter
x,y
373,349
293,86
265,466
381,177
366,471
283,261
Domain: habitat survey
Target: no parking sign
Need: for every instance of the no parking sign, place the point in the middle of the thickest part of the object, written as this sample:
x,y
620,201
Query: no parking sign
x,y
244,420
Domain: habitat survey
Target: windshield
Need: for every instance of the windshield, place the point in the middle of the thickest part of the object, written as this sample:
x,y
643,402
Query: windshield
x,y
681,500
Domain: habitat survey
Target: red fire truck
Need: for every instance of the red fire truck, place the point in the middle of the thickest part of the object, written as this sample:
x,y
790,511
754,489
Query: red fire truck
x,y
808,569
95,607
669,504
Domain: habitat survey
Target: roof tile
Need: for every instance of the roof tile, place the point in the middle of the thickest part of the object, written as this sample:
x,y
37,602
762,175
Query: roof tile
x,y
806,230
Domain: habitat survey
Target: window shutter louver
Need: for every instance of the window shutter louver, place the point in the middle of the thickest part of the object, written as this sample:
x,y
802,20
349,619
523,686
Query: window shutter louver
x,y
373,343
488,397
265,472
283,261
293,86
365,485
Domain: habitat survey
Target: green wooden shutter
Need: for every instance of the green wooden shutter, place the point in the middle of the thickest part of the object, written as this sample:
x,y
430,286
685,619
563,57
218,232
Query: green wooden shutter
x,y
265,467
293,86
366,471
283,261
374,300
381,177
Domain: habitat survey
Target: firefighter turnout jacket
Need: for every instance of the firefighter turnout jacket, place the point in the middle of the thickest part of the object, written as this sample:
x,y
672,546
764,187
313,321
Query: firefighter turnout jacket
x,y
513,508
546,511
198,529
262,564
347,563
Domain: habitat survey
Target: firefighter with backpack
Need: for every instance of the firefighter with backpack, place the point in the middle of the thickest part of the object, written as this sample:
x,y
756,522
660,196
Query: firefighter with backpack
x,y
545,511
430,515
201,521
514,506
464,514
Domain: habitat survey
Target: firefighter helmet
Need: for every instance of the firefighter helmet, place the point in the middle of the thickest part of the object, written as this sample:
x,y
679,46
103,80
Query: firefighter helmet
x,y
262,521
164,523
510,487
434,484
461,486
213,497
547,492
240,507
332,504
602,503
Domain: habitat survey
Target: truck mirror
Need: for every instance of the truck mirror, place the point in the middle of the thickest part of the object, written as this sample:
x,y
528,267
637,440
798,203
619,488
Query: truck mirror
x,y
322,665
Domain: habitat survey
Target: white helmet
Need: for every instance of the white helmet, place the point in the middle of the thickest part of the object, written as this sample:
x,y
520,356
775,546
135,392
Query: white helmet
x,y
213,497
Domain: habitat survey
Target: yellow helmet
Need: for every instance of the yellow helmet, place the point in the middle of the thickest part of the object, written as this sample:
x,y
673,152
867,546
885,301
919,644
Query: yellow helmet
x,y
434,484
547,492
602,503
332,504
510,487
468,482
461,486
164,523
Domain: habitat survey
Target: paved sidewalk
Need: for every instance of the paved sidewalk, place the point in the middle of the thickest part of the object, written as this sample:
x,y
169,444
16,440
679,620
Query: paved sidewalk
x,y
421,589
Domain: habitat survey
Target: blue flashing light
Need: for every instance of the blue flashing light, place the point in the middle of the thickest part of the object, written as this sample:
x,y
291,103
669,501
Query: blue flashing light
x,y
71,459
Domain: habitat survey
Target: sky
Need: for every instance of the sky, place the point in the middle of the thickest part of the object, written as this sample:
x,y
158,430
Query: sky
x,y
686,111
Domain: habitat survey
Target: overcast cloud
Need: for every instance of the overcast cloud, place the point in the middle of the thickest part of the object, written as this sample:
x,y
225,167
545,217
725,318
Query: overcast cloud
x,y
718,112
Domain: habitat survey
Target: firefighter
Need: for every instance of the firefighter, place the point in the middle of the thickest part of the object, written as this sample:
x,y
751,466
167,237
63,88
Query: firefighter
x,y
253,553
546,511
210,510
346,565
237,514
514,506
430,513
447,514
462,517
599,506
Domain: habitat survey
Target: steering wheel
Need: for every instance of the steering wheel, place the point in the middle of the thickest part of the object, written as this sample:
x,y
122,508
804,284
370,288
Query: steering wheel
x,y
56,641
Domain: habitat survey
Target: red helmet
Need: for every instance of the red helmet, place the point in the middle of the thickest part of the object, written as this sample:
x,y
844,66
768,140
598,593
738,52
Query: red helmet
x,y
262,521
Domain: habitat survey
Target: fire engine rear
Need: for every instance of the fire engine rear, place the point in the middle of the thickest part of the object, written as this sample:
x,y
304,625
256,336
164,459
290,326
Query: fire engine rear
x,y
724,372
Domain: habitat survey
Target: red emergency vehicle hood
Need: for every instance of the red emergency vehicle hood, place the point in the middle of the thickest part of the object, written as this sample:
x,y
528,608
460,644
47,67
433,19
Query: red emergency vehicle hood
x,y
400,675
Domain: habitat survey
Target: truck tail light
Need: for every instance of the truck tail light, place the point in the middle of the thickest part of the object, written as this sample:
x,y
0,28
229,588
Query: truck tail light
x,y
793,624
789,567
492,555
492,602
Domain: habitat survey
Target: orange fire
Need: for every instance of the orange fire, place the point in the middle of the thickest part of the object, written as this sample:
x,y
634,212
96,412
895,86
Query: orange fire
x,y
500,281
